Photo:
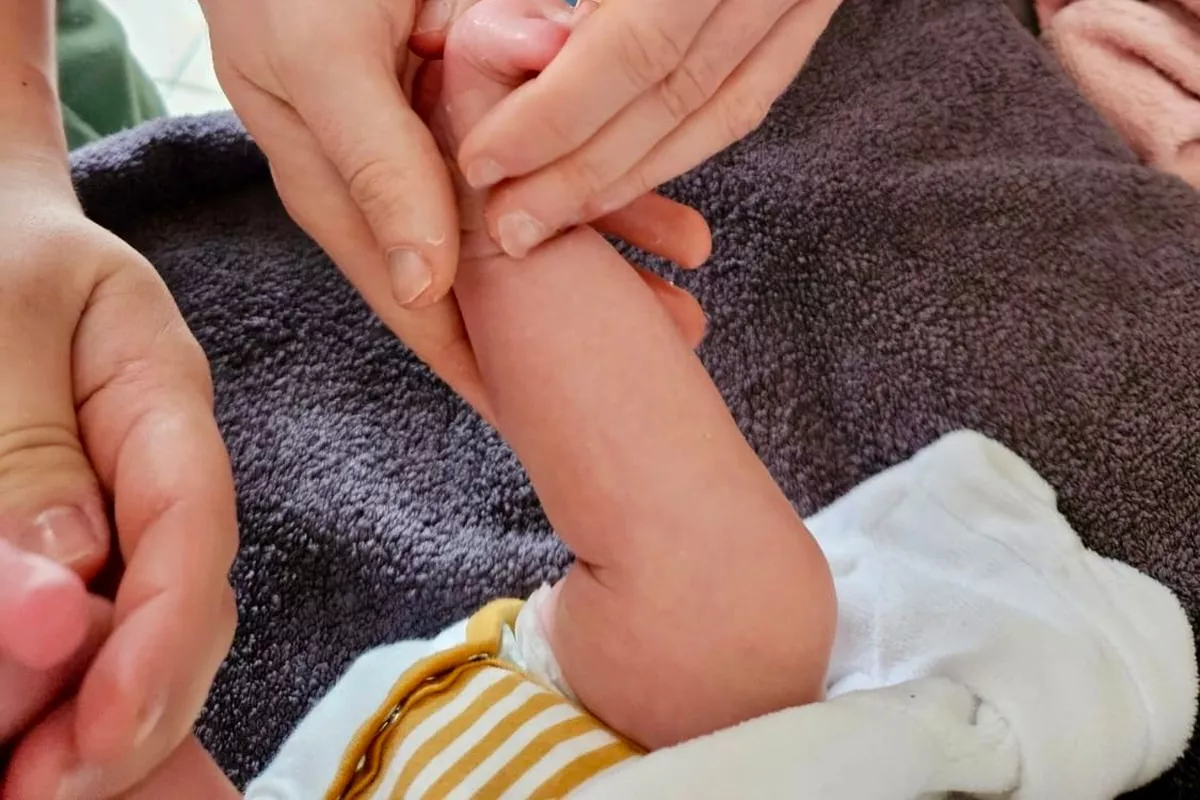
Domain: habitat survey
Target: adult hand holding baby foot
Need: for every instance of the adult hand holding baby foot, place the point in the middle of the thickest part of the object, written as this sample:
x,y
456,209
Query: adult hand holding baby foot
x,y
320,86
644,91
496,46
105,409
680,534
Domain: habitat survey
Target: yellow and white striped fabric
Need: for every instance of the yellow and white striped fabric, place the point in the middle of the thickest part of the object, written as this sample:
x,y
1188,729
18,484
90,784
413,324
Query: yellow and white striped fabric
x,y
467,724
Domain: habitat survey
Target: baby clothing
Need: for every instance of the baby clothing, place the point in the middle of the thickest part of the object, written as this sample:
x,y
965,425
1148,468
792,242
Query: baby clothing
x,y
485,714
476,721
981,650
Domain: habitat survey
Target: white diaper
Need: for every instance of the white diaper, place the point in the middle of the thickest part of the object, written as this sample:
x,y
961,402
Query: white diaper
x,y
981,649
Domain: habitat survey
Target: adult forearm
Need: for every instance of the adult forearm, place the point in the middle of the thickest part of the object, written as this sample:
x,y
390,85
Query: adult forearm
x,y
31,132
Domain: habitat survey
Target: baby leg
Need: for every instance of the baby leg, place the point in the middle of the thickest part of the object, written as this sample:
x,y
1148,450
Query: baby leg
x,y
698,598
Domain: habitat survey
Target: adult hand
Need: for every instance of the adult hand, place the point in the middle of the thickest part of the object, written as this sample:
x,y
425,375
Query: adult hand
x,y
105,413
321,87
643,91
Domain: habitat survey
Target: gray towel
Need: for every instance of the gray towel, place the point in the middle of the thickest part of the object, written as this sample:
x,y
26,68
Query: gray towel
x,y
932,231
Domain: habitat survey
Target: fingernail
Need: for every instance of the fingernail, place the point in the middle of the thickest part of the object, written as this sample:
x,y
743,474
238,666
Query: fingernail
x,y
434,16
82,784
519,233
63,535
411,276
484,173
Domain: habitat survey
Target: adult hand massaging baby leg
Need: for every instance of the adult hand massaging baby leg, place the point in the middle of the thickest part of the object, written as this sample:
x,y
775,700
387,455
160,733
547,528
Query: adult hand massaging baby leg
x,y
699,599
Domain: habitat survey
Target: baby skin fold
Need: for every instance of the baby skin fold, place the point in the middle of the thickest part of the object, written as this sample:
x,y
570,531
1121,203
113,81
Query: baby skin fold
x,y
698,598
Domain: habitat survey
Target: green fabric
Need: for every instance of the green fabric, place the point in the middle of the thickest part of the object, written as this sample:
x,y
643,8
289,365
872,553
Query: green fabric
x,y
102,88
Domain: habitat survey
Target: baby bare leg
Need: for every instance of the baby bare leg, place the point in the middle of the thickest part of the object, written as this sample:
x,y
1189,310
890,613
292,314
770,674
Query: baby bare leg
x,y
699,599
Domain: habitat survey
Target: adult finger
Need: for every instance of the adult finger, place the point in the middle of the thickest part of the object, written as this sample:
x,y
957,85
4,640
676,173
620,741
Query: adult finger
x,y
50,502
145,412
310,188
561,193
387,164
633,44
681,307
740,106
491,55
663,227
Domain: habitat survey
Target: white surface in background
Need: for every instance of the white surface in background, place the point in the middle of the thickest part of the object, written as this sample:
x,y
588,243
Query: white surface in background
x,y
170,40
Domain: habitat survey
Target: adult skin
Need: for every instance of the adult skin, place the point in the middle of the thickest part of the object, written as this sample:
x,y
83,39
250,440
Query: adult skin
x,y
644,91
107,440
107,437
117,393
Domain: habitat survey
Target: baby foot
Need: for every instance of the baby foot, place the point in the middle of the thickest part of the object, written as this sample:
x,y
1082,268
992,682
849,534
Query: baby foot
x,y
43,621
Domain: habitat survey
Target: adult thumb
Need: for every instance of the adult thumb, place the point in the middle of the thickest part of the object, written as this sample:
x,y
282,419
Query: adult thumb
x,y
50,500
391,169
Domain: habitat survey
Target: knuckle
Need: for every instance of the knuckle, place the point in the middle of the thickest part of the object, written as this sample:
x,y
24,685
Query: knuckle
x,y
585,177
167,354
557,132
687,88
639,184
648,51
631,186
147,375
742,114
372,185
29,451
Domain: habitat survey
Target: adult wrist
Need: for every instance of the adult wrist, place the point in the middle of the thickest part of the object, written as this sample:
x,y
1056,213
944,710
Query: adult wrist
x,y
32,139
34,176
31,125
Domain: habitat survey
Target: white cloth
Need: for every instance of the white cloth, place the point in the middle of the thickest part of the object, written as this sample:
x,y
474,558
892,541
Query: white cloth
x,y
981,649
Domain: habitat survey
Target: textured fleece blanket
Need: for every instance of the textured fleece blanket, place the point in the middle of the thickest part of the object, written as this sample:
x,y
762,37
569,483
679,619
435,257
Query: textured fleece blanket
x,y
932,231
